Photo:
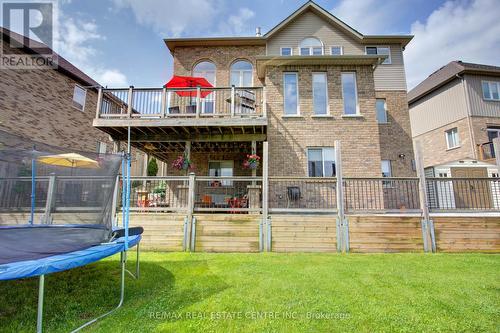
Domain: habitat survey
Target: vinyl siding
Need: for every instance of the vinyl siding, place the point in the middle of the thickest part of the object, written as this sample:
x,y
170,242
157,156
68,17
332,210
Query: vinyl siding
x,y
443,106
391,77
387,77
479,106
307,25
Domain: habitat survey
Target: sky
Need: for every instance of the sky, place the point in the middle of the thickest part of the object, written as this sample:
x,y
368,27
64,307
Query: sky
x,y
120,42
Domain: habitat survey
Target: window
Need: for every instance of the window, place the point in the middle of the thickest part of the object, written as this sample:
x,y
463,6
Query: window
x,y
290,94
206,69
493,132
337,50
79,96
452,140
220,169
320,98
321,162
349,93
386,168
491,90
286,51
242,74
381,111
380,50
311,46
101,147
443,175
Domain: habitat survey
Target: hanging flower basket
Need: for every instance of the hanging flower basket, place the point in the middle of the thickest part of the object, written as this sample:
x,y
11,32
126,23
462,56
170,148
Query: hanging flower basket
x,y
182,163
252,162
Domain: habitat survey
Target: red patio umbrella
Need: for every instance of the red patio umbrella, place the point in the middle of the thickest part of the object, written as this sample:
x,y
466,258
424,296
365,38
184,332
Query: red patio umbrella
x,y
189,82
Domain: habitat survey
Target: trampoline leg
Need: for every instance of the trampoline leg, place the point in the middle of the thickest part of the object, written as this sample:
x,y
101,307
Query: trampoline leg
x,y
123,259
137,270
39,317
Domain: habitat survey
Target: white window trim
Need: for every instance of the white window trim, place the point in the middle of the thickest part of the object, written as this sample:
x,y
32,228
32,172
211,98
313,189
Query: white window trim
x,y
355,94
327,99
448,141
491,99
232,167
385,109
385,46
286,47
298,96
322,160
240,72
84,100
341,49
312,47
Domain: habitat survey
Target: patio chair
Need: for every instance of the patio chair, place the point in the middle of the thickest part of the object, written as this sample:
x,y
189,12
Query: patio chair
x,y
292,195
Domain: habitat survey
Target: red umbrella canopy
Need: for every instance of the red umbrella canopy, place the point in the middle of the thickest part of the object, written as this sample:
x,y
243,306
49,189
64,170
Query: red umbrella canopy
x,y
189,82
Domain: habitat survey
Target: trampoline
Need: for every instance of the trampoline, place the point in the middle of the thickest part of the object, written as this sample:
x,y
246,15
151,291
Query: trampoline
x,y
70,201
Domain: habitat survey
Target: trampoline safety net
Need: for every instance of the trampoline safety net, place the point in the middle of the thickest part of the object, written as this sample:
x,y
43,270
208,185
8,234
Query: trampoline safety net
x,y
54,201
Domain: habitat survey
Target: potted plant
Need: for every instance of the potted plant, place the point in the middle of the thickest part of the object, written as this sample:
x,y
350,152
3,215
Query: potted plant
x,y
251,162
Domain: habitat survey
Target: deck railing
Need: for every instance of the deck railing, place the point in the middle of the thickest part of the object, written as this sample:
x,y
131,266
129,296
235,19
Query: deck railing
x,y
463,194
154,103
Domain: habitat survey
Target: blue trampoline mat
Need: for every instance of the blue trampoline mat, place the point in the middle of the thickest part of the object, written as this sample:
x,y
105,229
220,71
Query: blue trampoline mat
x,y
65,261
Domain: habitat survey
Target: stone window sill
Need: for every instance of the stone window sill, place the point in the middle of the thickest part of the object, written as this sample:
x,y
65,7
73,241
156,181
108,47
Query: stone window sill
x,y
353,116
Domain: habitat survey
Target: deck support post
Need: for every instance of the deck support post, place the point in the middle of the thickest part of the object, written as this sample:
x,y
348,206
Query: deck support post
x,y
427,224
130,101
496,149
163,102
266,223
233,94
99,103
190,209
342,223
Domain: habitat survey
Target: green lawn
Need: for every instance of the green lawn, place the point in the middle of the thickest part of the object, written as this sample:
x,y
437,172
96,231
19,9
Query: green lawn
x,y
182,292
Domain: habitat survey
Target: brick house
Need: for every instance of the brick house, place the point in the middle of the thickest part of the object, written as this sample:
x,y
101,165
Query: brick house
x,y
52,107
455,113
307,82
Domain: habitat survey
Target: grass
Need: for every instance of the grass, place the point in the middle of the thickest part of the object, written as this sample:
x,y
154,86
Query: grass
x,y
182,292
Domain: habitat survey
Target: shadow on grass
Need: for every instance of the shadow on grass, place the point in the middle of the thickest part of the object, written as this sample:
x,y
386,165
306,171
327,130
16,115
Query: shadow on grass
x,y
76,296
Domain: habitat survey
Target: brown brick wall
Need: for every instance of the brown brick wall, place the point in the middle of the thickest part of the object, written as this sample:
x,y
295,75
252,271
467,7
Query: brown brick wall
x,y
434,147
479,125
185,58
289,138
395,136
37,104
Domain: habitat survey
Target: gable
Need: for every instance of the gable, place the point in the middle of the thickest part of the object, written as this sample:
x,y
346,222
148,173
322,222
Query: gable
x,y
311,24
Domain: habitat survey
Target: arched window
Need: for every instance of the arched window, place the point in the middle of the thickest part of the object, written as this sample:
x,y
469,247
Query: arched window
x,y
205,69
311,46
241,74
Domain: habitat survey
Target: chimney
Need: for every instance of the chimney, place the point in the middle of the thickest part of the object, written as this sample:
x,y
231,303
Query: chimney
x,y
257,32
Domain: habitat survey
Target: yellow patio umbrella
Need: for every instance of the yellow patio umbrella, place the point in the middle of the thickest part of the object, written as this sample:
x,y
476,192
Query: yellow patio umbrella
x,y
71,160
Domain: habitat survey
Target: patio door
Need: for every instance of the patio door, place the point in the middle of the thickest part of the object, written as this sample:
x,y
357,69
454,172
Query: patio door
x,y
206,69
471,193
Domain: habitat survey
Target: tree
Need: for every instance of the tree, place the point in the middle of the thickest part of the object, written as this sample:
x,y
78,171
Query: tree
x,y
152,168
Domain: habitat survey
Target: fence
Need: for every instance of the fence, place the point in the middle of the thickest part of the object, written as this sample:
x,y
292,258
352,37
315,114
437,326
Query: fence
x,y
147,103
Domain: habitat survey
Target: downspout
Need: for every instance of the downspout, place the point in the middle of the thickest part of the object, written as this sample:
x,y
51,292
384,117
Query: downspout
x,y
469,114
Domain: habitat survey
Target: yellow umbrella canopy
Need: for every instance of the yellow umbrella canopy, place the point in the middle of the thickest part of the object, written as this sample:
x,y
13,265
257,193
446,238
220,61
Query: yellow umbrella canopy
x,y
71,160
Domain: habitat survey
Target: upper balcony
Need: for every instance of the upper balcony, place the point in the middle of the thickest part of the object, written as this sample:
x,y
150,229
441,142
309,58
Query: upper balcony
x,y
182,113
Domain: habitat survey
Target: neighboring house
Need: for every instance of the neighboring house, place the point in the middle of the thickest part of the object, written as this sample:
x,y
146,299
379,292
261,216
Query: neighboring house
x,y
309,81
52,107
455,113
